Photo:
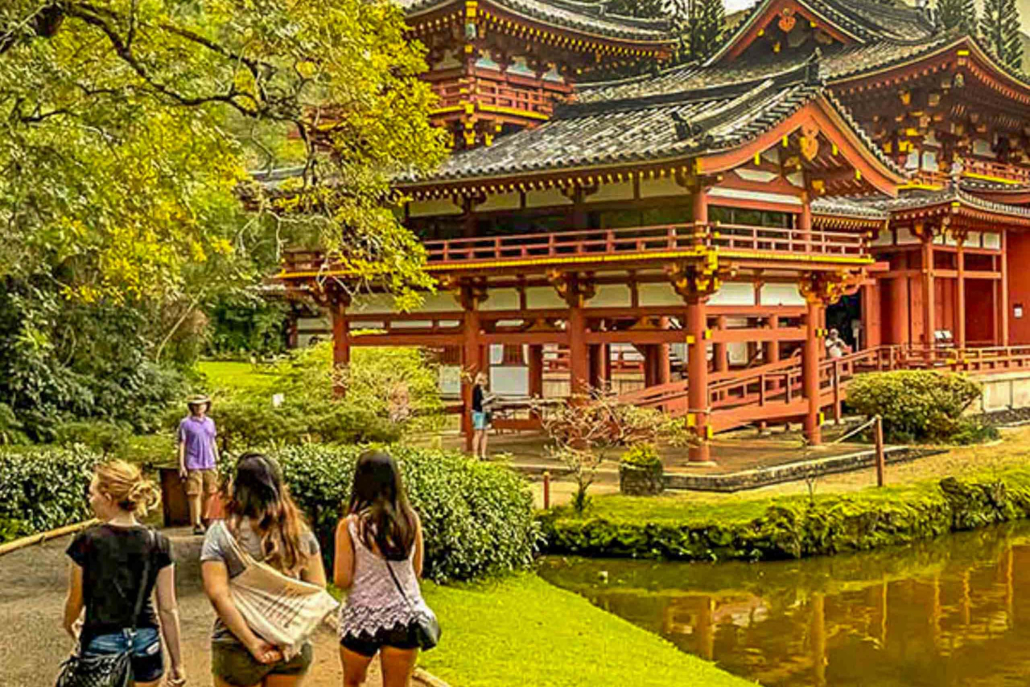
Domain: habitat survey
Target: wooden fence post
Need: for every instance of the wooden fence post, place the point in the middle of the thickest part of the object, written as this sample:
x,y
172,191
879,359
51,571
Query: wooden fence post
x,y
880,458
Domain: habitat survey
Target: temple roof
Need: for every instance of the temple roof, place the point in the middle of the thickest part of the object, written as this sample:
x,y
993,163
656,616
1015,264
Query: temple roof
x,y
914,200
587,17
865,21
872,207
664,126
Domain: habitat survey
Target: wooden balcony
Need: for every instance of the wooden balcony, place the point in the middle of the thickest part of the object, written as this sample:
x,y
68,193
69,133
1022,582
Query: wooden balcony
x,y
996,170
610,245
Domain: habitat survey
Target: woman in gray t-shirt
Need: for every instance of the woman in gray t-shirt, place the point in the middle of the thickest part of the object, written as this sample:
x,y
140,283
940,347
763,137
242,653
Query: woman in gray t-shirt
x,y
265,523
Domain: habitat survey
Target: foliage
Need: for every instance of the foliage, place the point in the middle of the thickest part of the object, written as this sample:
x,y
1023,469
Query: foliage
x,y
916,405
115,440
43,489
245,323
960,14
999,27
477,517
642,455
501,628
11,430
584,431
790,527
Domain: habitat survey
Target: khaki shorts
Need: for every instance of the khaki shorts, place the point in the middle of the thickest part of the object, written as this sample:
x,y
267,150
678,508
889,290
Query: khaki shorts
x,y
198,481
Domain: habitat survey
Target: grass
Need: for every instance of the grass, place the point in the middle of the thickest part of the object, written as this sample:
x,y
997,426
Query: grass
x,y
520,630
234,376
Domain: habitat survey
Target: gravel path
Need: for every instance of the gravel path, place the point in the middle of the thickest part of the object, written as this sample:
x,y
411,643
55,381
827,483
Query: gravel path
x,y
32,644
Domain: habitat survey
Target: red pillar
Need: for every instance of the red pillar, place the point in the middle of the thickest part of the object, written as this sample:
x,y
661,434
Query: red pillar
x,y
872,337
772,348
960,299
697,375
341,344
805,222
929,303
899,300
810,373
664,364
1004,288
721,354
536,370
471,360
579,360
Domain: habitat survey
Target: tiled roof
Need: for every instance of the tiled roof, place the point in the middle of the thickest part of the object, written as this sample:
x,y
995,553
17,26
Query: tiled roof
x,y
668,125
949,194
982,185
866,20
870,207
589,17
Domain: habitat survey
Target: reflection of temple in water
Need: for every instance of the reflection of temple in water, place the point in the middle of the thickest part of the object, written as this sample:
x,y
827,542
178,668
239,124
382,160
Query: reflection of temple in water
x,y
956,622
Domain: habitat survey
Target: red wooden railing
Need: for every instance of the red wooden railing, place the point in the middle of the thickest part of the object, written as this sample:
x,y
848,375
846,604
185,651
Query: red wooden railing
x,y
998,170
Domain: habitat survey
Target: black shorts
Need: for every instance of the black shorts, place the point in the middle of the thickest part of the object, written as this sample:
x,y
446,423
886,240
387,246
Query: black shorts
x,y
400,637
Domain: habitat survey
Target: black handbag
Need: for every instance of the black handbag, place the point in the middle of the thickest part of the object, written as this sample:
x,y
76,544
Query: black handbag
x,y
113,670
427,627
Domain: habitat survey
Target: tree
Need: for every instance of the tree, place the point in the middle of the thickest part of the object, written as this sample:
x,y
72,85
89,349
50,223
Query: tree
x,y
699,24
960,14
126,133
999,26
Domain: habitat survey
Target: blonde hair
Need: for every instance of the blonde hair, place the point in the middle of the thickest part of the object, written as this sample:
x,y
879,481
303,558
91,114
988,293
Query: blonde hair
x,y
125,484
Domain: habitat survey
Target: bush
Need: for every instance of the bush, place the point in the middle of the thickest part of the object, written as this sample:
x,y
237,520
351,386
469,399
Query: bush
x,y
642,456
106,438
477,517
44,489
916,405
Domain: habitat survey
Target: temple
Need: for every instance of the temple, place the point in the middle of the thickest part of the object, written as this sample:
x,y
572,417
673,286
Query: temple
x,y
688,236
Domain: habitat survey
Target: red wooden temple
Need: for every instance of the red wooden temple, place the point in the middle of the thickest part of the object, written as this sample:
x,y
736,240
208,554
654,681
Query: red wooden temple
x,y
837,163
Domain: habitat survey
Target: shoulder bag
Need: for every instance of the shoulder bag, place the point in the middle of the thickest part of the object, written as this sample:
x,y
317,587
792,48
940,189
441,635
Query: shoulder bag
x,y
427,627
111,670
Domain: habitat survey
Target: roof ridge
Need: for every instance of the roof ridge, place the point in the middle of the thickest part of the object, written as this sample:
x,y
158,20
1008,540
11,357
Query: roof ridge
x,y
583,86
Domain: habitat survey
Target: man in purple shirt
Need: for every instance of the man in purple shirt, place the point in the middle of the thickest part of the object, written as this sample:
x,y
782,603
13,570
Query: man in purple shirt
x,y
198,455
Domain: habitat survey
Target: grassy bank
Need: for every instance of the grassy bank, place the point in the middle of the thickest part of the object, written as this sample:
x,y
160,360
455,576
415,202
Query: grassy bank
x,y
794,526
521,630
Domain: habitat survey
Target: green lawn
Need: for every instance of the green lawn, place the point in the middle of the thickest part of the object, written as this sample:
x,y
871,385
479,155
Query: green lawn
x,y
523,631
233,376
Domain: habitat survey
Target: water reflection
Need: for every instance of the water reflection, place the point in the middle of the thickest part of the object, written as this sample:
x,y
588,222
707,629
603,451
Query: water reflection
x,y
952,612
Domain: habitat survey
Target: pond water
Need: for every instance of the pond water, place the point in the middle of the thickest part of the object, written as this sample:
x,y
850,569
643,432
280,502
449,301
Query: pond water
x,y
955,611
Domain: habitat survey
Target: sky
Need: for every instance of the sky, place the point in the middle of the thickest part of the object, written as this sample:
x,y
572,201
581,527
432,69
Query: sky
x,y
1024,9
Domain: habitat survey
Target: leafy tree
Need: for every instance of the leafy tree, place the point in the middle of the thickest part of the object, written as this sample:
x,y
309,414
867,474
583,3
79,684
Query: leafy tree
x,y
957,13
700,25
999,26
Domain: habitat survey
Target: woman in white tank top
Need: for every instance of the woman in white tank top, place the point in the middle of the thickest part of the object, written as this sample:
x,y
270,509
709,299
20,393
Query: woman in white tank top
x,y
379,561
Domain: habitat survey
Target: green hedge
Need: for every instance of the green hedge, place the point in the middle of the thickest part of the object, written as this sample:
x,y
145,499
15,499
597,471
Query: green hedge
x,y
477,517
917,405
798,527
41,490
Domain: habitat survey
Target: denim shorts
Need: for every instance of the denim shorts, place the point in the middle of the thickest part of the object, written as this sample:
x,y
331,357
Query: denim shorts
x,y
478,420
148,662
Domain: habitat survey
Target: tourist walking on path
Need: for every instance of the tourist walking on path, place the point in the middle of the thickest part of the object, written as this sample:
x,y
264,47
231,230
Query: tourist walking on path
x,y
379,560
481,403
262,522
198,459
116,566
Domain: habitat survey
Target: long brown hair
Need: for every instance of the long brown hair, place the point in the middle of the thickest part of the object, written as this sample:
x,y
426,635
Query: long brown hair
x,y
378,499
257,491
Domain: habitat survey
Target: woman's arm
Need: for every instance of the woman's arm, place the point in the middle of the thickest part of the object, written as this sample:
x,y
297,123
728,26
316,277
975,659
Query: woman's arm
x,y
73,603
314,570
343,561
417,559
168,609
216,586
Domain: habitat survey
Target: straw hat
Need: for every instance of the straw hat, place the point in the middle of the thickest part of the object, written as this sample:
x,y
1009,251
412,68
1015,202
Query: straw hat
x,y
198,399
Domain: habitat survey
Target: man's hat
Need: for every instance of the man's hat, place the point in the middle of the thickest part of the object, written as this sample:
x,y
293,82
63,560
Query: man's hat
x,y
198,399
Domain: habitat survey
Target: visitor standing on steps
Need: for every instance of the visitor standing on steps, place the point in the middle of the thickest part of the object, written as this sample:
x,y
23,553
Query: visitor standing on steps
x,y
198,459
379,562
481,404
261,523
116,566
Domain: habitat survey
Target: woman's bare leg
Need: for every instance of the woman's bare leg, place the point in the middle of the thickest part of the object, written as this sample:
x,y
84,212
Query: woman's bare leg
x,y
398,666
283,680
355,667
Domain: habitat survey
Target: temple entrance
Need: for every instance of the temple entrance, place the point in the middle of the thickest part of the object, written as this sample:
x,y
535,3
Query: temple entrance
x,y
846,317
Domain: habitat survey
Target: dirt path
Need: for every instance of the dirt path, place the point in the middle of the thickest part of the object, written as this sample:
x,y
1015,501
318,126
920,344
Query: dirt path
x,y
32,644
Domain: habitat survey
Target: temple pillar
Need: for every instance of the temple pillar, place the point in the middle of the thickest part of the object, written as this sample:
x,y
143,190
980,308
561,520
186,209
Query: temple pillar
x,y
871,335
663,372
960,298
579,357
805,222
899,305
771,353
929,302
471,362
536,370
697,376
720,352
810,372
650,368
341,343
604,366
1004,288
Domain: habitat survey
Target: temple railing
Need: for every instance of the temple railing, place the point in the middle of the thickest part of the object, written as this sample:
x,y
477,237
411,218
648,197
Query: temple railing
x,y
996,170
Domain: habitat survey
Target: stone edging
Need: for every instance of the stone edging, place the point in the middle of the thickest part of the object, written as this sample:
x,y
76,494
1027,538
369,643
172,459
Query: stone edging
x,y
32,539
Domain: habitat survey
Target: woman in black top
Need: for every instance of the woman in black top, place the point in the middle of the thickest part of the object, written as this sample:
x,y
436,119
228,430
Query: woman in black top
x,y
107,571
480,420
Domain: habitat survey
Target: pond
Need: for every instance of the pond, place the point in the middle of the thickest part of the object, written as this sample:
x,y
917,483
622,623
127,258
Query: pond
x,y
955,611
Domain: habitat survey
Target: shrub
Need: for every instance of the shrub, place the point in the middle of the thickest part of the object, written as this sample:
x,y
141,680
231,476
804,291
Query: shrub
x,y
43,489
641,456
106,438
916,405
477,517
